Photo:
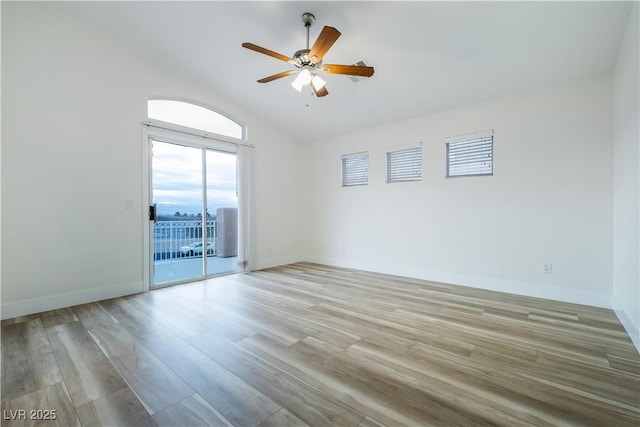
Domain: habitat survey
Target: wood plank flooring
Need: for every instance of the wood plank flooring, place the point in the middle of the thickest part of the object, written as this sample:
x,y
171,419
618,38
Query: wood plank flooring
x,y
306,344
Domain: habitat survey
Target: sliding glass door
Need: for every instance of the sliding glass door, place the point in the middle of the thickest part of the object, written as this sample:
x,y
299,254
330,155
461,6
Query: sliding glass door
x,y
195,226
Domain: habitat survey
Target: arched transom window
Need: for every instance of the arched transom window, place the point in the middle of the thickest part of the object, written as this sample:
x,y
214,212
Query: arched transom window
x,y
193,116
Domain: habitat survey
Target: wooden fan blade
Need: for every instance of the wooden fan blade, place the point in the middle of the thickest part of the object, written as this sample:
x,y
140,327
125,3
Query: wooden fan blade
x,y
350,70
276,76
320,92
325,40
267,52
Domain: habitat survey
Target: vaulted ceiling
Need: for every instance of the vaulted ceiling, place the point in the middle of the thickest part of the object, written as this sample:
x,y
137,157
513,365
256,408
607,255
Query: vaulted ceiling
x,y
428,56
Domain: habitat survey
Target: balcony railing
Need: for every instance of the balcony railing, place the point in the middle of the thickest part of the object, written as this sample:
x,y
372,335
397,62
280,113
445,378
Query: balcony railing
x,y
172,239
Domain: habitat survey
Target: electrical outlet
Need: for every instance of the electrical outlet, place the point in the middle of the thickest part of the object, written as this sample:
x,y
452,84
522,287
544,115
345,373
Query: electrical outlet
x,y
547,268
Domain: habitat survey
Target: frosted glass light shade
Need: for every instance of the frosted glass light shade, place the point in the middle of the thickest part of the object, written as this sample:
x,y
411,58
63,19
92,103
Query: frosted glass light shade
x,y
304,78
317,82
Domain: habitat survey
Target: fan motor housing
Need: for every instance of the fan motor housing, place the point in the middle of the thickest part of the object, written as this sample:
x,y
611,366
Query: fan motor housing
x,y
301,57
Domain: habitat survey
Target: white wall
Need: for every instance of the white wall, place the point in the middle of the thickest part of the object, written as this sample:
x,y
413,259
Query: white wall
x,y
549,200
626,225
73,103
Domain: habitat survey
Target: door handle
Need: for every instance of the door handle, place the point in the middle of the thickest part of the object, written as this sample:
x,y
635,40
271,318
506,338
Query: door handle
x,y
153,213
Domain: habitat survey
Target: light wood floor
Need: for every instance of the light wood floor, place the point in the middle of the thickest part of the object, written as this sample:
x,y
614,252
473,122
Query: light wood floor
x,y
306,344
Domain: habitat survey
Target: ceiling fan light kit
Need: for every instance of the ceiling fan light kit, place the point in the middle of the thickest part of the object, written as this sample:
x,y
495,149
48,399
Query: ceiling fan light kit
x,y
308,62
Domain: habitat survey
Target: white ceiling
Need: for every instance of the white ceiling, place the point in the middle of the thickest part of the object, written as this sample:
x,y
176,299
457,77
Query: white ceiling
x,y
428,56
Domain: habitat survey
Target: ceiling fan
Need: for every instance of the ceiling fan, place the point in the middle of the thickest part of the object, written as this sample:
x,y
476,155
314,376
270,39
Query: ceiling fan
x,y
308,62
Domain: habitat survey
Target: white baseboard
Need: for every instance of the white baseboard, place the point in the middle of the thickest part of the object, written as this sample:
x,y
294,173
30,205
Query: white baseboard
x,y
275,262
631,327
53,302
536,290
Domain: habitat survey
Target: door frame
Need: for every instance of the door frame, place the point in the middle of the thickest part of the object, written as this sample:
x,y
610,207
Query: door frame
x,y
244,154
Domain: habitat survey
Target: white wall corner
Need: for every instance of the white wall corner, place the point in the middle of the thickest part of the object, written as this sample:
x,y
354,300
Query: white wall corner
x,y
575,296
275,262
53,302
632,328
626,184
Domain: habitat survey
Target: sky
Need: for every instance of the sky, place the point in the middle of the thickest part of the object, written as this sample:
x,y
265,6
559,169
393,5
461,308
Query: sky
x,y
178,184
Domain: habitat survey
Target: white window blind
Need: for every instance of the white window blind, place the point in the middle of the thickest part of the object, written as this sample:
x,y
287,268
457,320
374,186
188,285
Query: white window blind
x,y
355,169
470,155
404,165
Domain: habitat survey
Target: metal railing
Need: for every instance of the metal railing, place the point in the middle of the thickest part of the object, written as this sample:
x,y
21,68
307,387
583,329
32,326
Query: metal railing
x,y
177,239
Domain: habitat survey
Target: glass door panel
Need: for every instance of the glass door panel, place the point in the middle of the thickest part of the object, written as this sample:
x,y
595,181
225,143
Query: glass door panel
x,y
178,188
222,211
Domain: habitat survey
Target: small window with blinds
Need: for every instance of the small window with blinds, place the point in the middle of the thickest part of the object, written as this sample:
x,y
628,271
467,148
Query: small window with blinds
x,y
470,155
404,164
355,169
